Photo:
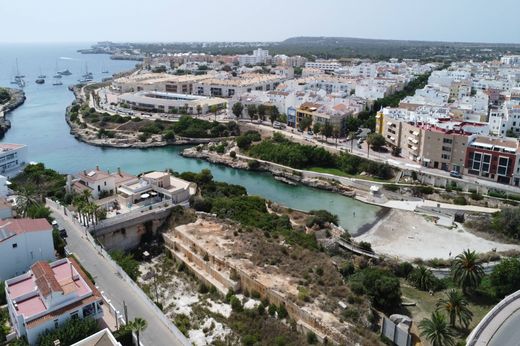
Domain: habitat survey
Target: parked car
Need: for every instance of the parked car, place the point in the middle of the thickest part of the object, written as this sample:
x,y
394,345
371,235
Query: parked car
x,y
63,233
455,174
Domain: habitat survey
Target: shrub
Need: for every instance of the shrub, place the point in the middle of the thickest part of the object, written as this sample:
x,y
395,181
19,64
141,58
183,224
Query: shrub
x,y
347,269
381,286
403,269
236,305
365,246
232,154
460,200
311,338
282,312
391,187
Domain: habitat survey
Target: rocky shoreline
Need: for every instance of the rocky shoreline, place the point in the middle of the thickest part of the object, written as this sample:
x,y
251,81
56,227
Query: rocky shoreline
x,y
288,176
87,136
17,99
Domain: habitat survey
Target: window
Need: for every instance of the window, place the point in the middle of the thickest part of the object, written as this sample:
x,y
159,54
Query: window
x,y
503,164
74,314
56,323
15,245
447,140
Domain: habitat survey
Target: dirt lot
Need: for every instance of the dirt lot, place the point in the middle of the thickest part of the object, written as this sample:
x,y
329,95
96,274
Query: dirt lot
x,y
407,235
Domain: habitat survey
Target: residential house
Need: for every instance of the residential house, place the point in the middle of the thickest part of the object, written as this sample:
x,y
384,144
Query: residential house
x,y
48,295
23,242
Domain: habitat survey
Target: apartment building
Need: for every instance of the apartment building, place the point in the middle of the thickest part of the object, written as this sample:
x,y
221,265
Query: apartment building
x,y
324,115
496,159
428,136
259,56
23,242
48,295
167,102
230,86
158,82
323,65
13,158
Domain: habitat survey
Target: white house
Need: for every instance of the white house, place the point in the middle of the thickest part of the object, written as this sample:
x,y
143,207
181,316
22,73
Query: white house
x,y
48,295
23,242
96,181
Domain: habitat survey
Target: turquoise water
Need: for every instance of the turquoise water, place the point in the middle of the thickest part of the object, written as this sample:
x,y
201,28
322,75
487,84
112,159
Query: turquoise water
x,y
40,123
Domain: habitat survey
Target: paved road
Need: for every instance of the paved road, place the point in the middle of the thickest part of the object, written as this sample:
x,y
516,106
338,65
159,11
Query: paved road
x,y
399,162
115,288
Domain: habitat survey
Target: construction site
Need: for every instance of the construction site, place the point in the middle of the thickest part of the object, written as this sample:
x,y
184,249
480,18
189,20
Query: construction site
x,y
306,282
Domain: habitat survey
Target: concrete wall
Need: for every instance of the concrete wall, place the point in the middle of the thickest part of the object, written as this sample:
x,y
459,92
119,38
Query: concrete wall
x,y
18,253
218,271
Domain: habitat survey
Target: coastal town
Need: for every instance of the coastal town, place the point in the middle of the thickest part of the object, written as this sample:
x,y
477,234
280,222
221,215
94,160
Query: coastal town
x,y
307,191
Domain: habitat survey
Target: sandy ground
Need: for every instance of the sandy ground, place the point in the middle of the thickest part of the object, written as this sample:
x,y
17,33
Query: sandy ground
x,y
179,296
406,235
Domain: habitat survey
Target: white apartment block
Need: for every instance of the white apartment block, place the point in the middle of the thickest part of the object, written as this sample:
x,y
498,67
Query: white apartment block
x,y
260,56
13,158
323,65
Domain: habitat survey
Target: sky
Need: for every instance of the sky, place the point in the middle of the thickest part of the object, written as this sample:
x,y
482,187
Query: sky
x,y
260,20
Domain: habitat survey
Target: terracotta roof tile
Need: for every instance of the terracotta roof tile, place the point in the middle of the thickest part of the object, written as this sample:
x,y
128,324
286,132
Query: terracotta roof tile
x,y
45,279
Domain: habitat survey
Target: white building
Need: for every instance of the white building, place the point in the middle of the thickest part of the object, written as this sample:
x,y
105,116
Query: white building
x,y
510,59
96,181
48,295
23,242
166,102
102,338
260,56
323,65
13,158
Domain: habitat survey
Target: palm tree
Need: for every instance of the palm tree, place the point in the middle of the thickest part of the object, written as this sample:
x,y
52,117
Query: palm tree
x,y
138,325
422,278
352,135
26,198
369,143
466,271
456,306
437,330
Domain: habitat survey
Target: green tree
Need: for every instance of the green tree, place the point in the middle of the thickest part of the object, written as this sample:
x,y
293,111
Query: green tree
x,y
237,109
138,325
437,330
376,141
316,128
422,278
381,286
505,278
274,114
214,109
127,263
199,109
252,111
327,130
466,271
456,306
262,110
305,123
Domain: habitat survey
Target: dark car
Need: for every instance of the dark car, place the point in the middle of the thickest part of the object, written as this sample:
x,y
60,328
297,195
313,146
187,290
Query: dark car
x,y
455,174
63,233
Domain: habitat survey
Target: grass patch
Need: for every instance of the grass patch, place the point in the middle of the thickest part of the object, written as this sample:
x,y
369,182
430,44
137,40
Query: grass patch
x,y
340,173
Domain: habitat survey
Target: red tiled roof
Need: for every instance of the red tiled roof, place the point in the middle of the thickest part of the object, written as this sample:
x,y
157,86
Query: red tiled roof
x,y
45,279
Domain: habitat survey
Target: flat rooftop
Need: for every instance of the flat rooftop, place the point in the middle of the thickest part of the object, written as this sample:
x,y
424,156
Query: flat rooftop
x,y
10,146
